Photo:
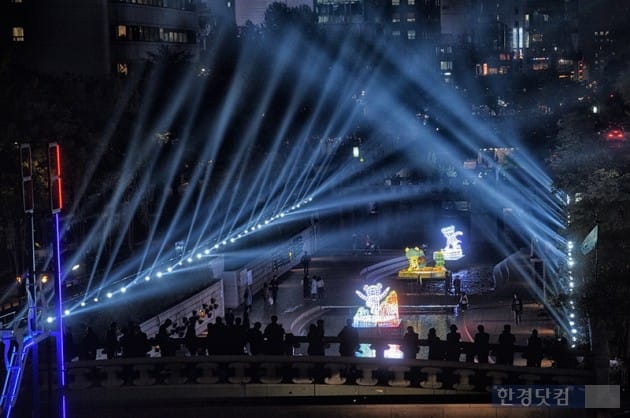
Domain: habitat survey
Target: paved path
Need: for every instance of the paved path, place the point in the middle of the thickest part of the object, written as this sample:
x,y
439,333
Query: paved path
x,y
342,277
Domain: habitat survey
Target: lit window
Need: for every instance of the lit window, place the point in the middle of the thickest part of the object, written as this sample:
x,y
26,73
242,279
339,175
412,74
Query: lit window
x,y
411,2
395,18
411,34
396,33
121,32
18,34
395,2
411,17
122,68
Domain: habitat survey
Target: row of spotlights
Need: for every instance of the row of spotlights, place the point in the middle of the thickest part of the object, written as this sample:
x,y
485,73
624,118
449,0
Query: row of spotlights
x,y
207,251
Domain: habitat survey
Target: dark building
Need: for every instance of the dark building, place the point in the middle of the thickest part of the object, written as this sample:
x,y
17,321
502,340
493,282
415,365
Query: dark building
x,y
96,37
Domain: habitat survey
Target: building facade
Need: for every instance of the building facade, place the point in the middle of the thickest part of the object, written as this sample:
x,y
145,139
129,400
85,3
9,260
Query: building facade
x,y
96,37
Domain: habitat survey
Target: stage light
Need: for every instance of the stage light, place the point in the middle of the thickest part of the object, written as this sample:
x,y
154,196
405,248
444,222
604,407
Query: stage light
x,y
571,285
259,226
66,312
206,251
50,319
159,274
95,299
123,289
573,331
570,244
267,222
190,260
572,315
571,323
82,303
232,240
109,295
75,267
216,246
199,255
169,269
224,243
147,278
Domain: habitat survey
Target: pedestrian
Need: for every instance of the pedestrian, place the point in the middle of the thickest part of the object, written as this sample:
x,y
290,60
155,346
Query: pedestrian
x,y
274,337
463,301
320,287
314,289
247,299
482,345
274,289
111,341
457,285
517,308
306,286
411,344
267,296
306,262
534,351
453,349
167,346
505,350
315,341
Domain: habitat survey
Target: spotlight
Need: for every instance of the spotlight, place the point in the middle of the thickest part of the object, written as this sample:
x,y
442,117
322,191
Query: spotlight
x,y
253,228
109,295
571,285
259,226
574,338
66,312
573,331
49,319
206,251
224,242
282,214
571,323
123,289
159,274
216,246
190,260
76,267
169,269
199,256
570,244
147,278
232,240
82,303
266,221
572,315
297,206
95,299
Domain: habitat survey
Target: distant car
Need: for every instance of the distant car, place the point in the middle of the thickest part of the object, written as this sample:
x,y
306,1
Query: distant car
x,y
615,135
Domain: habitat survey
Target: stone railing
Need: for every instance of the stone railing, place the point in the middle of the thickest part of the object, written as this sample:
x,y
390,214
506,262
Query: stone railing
x,y
210,377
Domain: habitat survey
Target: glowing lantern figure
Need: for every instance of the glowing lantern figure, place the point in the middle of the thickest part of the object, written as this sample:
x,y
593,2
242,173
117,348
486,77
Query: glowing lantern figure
x,y
416,258
438,257
453,249
377,313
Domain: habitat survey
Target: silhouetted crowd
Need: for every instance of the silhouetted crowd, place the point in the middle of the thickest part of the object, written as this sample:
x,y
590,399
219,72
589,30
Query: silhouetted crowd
x,y
233,335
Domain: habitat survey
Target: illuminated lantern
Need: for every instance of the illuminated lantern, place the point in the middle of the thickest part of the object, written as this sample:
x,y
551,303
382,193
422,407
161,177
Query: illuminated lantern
x,y
453,249
438,257
381,308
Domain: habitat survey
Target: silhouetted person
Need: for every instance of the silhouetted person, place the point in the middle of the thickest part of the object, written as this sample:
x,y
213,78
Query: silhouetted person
x,y
436,347
348,340
562,356
321,288
216,339
134,342
306,262
248,299
306,286
411,344
482,345
315,341
89,345
534,350
517,308
274,286
505,349
111,341
256,339
69,347
457,285
463,301
453,348
168,347
190,337
274,337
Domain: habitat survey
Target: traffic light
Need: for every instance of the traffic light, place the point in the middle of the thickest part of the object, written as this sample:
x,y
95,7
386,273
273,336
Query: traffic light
x,y
54,175
26,163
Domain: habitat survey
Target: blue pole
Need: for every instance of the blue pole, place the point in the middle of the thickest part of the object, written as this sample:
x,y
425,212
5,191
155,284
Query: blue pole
x,y
61,366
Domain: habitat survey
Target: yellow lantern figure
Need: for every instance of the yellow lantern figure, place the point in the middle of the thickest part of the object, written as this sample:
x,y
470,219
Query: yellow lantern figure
x,y
415,257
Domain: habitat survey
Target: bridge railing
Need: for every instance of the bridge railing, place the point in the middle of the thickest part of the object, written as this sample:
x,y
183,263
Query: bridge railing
x,y
242,376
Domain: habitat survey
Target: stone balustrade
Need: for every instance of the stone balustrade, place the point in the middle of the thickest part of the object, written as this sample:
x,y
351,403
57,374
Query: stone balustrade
x,y
206,377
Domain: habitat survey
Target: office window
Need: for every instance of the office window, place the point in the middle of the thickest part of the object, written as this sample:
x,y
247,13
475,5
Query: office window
x,y
122,68
121,32
411,17
396,34
411,34
18,34
395,2
396,18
